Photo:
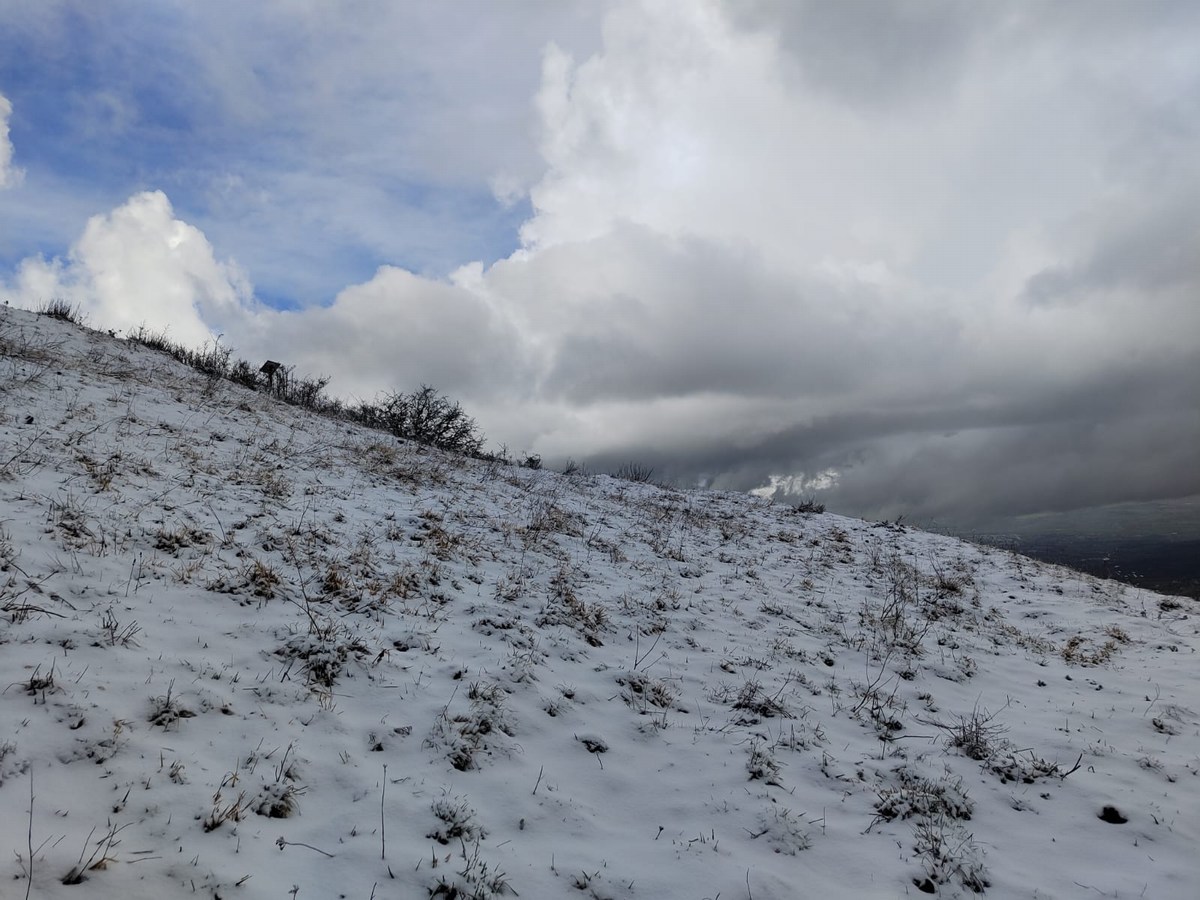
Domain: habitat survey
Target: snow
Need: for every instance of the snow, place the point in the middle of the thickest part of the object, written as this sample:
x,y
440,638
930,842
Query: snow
x,y
252,652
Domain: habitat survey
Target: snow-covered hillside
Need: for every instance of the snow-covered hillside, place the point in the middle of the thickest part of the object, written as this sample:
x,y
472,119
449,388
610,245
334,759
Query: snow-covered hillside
x,y
249,652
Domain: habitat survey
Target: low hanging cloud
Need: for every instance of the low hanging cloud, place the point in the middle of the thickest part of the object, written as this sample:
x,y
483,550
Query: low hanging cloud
x,y
941,284
397,330
9,173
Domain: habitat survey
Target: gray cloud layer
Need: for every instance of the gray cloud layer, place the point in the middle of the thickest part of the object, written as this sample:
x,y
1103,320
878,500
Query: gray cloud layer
x,y
925,258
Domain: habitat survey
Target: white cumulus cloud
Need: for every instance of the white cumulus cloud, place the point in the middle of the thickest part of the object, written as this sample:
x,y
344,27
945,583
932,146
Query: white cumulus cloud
x,y
140,265
9,174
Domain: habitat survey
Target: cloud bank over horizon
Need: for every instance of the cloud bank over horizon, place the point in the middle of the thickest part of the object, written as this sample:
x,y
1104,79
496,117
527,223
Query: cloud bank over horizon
x,y
947,270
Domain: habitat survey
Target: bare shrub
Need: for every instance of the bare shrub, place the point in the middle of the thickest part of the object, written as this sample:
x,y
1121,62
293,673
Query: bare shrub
x,y
476,880
948,852
762,766
279,799
566,608
243,373
217,362
755,704
784,830
465,736
642,691
916,796
1025,767
325,650
222,811
457,821
166,710
1081,651
977,735
424,416
306,391
155,340
98,859
61,309
635,472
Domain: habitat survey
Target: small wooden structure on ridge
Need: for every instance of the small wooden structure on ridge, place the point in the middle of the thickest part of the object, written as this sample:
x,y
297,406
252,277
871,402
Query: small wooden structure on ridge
x,y
270,368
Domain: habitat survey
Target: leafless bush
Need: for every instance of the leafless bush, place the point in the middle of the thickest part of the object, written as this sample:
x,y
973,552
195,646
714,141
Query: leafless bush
x,y
306,392
1024,767
755,704
977,735
761,765
117,633
1084,652
476,880
243,373
784,830
635,472
457,821
566,608
324,650
642,691
222,811
424,416
279,799
40,683
166,710
61,309
948,852
98,859
217,362
916,796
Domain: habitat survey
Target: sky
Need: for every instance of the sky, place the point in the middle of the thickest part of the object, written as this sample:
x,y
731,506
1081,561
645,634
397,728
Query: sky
x,y
924,258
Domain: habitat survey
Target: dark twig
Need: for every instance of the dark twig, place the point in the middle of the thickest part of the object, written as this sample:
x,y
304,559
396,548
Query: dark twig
x,y
382,820
281,843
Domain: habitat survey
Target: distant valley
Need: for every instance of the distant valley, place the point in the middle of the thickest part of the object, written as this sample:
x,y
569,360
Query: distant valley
x,y
1153,545
1163,564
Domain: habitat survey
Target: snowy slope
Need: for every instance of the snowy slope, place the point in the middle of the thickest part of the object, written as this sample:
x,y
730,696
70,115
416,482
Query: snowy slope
x,y
249,652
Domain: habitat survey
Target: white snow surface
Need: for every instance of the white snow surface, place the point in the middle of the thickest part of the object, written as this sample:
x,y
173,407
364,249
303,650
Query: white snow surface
x,y
251,652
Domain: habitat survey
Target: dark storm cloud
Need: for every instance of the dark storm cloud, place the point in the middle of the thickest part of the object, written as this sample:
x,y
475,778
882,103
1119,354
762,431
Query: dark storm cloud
x,y
1124,436
972,478
693,318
